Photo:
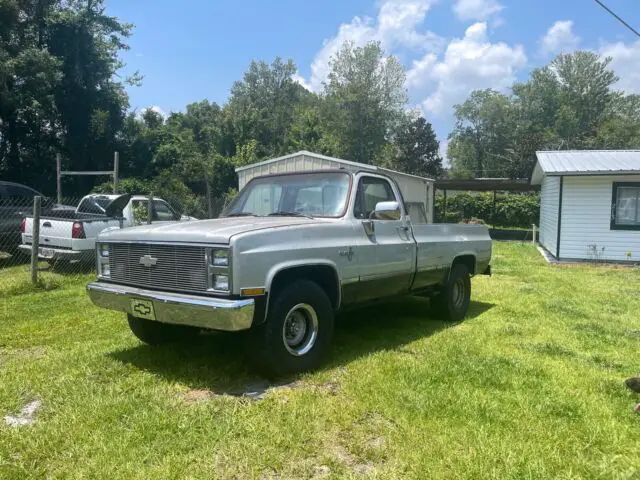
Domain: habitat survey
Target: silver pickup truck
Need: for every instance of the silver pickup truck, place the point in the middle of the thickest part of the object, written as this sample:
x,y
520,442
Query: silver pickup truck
x,y
288,253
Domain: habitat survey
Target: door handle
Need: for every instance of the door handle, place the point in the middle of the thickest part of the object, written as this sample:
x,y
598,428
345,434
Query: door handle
x,y
47,224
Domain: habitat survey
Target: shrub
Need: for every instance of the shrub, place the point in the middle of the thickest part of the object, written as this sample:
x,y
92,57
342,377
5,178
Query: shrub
x,y
511,209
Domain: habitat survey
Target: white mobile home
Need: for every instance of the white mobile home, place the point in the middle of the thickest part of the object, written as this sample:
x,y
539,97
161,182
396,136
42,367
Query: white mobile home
x,y
589,204
416,191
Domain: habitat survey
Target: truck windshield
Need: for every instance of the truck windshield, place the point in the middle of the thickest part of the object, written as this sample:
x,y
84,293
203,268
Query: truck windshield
x,y
322,194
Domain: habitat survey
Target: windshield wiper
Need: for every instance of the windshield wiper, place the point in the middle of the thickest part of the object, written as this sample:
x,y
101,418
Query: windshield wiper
x,y
289,214
241,214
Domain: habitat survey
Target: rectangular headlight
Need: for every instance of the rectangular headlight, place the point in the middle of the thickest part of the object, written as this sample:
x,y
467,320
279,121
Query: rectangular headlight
x,y
220,258
105,270
103,267
221,282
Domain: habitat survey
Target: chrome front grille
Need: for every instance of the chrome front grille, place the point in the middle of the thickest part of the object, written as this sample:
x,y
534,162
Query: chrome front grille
x,y
176,267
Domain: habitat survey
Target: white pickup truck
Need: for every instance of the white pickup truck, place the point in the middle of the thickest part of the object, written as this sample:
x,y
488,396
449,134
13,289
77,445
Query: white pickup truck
x,y
71,235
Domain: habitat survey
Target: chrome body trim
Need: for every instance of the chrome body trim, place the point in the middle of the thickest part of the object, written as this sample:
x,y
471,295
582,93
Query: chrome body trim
x,y
176,308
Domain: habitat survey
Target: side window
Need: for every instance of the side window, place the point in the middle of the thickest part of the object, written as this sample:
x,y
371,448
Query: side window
x,y
139,209
162,212
626,206
371,190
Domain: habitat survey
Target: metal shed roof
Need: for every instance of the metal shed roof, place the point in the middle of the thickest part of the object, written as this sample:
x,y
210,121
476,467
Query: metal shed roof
x,y
360,166
585,162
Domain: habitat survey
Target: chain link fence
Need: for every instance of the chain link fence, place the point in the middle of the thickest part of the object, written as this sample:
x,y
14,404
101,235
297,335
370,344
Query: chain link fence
x,y
64,237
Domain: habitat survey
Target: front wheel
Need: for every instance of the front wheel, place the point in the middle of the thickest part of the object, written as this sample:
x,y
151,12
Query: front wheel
x,y
452,303
297,333
157,333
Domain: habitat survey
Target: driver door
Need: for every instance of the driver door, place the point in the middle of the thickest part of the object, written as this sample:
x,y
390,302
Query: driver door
x,y
390,241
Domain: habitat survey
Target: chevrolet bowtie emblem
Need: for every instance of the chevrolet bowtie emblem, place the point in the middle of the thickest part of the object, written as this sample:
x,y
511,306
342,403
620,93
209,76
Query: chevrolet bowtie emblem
x,y
148,261
347,253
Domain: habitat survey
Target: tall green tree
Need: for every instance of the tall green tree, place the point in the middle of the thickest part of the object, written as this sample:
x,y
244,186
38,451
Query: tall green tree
x,y
482,133
364,100
262,106
415,148
58,60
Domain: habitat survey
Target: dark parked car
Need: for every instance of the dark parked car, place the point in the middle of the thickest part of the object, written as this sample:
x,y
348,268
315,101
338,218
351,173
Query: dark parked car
x,y
15,202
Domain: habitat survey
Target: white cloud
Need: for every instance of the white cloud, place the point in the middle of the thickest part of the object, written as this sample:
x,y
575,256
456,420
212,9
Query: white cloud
x,y
397,26
299,79
626,63
158,110
559,38
476,9
469,63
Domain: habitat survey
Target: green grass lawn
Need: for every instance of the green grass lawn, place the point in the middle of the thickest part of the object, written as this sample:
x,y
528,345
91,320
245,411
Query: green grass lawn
x,y
529,386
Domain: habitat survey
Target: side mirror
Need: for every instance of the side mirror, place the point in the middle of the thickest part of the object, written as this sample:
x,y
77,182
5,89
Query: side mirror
x,y
386,211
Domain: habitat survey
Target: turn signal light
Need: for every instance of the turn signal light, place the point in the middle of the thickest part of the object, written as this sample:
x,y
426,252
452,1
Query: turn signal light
x,y
251,292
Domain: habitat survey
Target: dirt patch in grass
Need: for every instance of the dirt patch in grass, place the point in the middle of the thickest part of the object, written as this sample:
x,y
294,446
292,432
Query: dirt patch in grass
x,y
341,454
258,390
632,333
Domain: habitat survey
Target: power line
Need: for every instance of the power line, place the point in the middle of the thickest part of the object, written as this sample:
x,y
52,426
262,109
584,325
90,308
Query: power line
x,y
618,17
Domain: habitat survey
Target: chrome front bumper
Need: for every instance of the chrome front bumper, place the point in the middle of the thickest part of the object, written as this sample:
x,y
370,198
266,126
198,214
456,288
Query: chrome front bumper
x,y
177,308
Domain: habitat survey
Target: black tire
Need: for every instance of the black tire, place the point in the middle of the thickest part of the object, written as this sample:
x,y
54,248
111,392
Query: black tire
x,y
270,347
157,333
452,303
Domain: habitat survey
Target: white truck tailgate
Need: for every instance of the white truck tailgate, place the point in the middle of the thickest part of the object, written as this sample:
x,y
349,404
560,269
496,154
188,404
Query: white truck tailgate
x,y
54,233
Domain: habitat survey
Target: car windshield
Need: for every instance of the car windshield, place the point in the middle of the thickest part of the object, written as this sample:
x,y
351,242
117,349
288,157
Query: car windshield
x,y
321,194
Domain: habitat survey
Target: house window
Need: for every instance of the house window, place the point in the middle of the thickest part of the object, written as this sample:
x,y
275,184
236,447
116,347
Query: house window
x,y
625,208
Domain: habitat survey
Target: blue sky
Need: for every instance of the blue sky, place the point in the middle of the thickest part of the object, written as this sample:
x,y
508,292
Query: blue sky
x,y
195,49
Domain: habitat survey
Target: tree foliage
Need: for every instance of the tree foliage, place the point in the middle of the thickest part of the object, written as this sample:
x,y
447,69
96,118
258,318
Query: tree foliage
x,y
58,89
571,103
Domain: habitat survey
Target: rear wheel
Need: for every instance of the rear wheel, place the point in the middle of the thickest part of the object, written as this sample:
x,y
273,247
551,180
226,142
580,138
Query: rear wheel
x,y
157,333
452,303
297,333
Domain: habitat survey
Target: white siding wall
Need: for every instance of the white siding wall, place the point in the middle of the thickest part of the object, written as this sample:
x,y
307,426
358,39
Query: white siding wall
x,y
549,196
586,218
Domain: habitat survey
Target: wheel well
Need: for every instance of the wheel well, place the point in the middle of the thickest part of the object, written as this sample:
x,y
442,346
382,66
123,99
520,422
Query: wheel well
x,y
468,261
324,275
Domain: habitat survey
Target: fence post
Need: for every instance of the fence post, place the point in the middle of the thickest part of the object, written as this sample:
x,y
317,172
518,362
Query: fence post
x,y
58,170
35,239
150,208
116,169
533,239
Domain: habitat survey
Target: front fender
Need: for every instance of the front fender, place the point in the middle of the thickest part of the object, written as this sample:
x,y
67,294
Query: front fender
x,y
279,267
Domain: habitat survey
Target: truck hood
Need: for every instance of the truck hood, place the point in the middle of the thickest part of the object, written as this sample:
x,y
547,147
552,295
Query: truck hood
x,y
219,230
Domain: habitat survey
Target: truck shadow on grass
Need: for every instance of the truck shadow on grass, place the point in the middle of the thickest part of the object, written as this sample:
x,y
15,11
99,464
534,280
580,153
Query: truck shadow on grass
x,y
216,362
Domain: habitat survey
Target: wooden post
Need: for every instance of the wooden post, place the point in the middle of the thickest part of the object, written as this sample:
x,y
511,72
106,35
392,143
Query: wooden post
x,y
533,228
444,217
35,239
116,170
150,208
493,210
58,170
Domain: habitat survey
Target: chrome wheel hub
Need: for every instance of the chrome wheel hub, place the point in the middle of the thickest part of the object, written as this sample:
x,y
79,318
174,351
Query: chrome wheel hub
x,y
300,329
457,293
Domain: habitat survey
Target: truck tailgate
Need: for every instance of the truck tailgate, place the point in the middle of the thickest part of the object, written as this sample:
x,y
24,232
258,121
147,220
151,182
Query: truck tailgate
x,y
54,233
